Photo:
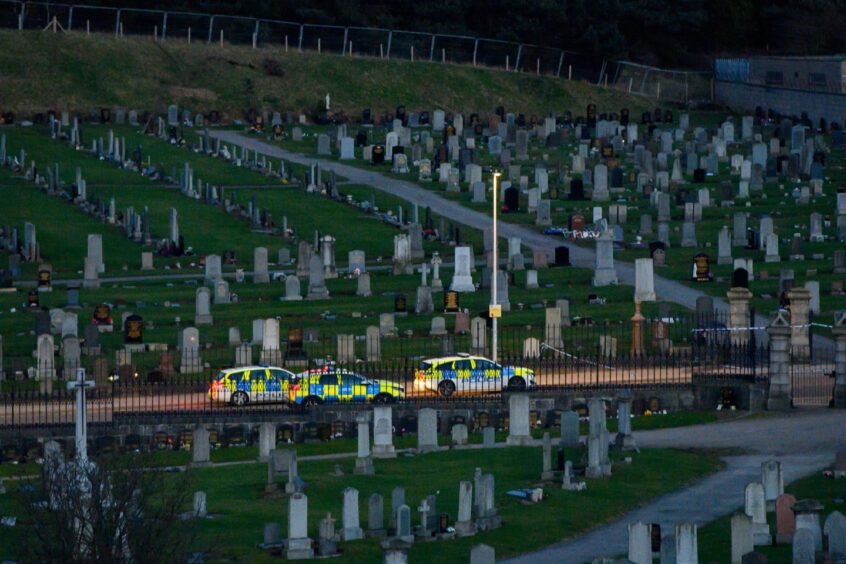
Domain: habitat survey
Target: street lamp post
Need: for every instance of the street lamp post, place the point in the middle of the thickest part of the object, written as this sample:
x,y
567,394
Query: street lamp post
x,y
494,311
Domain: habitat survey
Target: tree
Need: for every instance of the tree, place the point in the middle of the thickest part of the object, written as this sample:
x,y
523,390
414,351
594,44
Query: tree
x,y
112,511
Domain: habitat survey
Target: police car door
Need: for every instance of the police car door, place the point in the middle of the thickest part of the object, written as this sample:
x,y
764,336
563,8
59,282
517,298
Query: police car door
x,y
463,375
329,383
490,376
276,385
258,385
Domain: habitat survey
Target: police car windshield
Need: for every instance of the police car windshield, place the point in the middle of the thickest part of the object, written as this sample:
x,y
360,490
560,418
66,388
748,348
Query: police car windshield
x,y
425,365
220,375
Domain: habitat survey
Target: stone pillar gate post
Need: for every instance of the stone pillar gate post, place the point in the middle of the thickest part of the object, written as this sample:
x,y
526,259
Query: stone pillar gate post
x,y
779,394
839,332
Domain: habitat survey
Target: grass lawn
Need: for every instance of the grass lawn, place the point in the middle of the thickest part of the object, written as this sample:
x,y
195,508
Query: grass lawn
x,y
207,229
95,71
235,496
715,537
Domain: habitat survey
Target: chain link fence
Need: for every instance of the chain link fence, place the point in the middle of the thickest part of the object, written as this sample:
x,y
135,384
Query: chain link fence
x,y
359,41
633,78
661,84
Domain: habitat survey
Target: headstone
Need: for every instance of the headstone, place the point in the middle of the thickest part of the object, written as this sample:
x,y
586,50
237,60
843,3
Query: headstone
x,y
785,519
202,315
316,279
482,554
804,548
298,545
773,482
741,537
260,274
518,419
383,446
644,280
755,507
351,528
687,549
640,543
427,430
604,272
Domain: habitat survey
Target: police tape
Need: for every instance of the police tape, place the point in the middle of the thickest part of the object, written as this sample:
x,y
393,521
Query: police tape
x,y
574,357
762,328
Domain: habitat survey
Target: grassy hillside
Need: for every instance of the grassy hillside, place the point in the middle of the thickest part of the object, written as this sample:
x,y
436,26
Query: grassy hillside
x,y
80,73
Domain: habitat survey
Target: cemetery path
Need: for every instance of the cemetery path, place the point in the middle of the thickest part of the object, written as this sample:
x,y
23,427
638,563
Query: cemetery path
x,y
669,290
805,442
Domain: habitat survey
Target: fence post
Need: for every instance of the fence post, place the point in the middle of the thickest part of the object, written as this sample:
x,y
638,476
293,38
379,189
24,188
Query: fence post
x,y
22,17
70,19
164,26
839,333
117,23
800,303
475,50
560,64
517,61
300,43
256,34
432,49
638,322
390,37
211,29
346,36
738,300
779,394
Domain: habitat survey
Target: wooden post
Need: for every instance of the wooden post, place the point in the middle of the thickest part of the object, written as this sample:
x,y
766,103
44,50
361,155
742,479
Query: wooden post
x,y
381,52
538,67
221,38
189,35
155,33
286,43
443,55
570,72
87,27
412,53
506,62
318,45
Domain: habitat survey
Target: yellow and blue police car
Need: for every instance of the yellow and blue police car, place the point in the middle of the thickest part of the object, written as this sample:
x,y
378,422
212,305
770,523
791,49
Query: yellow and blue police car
x,y
466,374
240,386
333,385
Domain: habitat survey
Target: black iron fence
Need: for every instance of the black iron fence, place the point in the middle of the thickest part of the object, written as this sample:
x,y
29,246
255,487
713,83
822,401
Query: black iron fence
x,y
812,375
157,386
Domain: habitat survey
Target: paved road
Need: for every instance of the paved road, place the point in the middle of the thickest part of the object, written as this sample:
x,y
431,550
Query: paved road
x,y
669,290
805,442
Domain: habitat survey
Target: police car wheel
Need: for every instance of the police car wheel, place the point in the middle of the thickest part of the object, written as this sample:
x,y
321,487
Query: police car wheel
x,y
239,399
446,388
383,398
516,383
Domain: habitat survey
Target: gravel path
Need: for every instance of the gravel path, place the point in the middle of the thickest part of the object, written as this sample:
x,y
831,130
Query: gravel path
x,y
667,289
804,442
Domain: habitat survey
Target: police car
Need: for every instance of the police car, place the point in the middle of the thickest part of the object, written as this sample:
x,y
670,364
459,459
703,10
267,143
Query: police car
x,y
470,374
332,385
240,386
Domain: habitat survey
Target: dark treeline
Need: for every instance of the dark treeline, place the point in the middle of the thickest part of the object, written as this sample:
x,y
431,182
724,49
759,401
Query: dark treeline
x,y
672,33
